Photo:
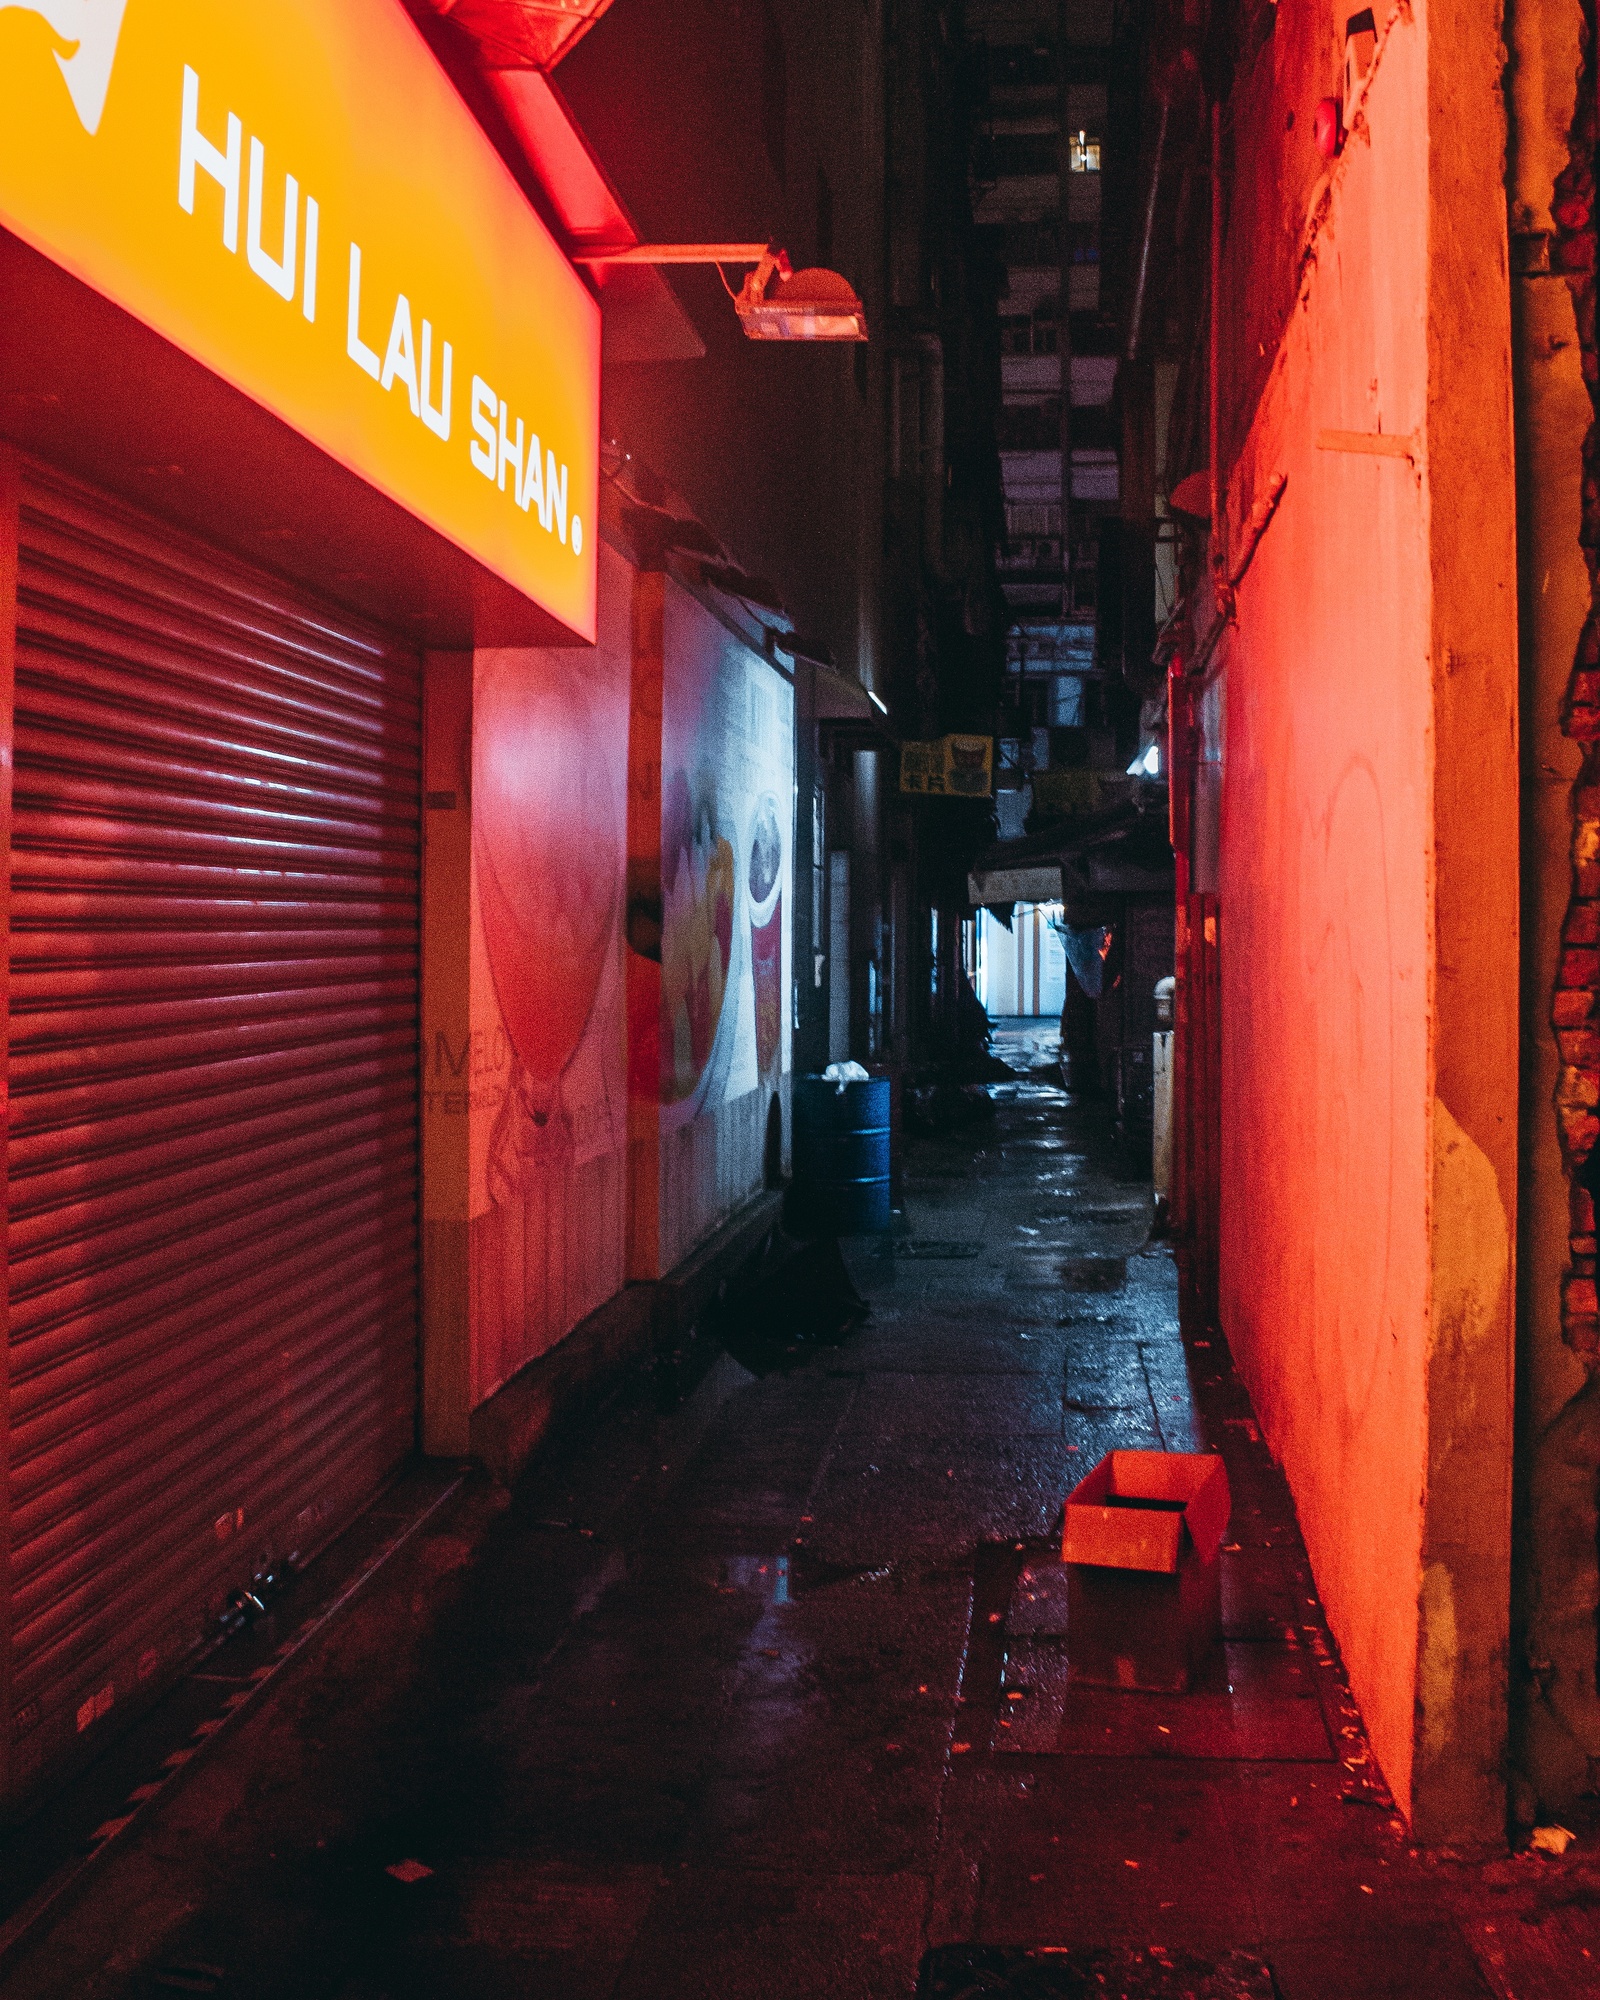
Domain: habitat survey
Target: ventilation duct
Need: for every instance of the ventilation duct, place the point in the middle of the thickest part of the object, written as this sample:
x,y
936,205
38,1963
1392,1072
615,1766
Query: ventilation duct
x,y
522,34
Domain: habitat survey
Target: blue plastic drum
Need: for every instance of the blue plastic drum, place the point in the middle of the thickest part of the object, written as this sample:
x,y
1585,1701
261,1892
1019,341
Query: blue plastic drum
x,y
841,1156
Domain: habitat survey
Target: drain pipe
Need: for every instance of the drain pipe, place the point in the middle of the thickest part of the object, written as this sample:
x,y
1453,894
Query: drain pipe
x,y
1216,551
1136,318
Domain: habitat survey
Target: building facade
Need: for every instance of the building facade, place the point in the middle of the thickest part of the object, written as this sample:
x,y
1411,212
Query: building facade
x,y
417,629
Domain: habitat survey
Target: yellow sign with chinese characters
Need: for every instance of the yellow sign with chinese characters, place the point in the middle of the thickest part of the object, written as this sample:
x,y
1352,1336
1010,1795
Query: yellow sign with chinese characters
x,y
959,767
293,193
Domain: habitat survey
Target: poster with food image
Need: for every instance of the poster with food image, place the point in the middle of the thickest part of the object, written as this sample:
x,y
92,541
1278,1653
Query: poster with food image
x,y
764,894
697,886
727,803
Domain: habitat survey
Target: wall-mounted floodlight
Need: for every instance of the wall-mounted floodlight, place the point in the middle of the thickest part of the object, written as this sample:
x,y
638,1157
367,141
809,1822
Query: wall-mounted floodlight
x,y
775,302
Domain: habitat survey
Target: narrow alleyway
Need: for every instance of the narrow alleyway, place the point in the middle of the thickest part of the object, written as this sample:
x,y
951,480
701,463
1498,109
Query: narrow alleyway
x,y
764,1694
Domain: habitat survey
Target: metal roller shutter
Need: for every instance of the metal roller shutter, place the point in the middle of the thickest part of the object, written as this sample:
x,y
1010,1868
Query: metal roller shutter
x,y
213,1144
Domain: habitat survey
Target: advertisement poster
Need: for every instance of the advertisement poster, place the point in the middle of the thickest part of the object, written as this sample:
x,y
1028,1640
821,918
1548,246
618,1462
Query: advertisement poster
x,y
711,1033
548,1141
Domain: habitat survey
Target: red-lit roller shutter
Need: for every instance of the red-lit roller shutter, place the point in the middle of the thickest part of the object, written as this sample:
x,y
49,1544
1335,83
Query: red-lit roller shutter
x,y
213,1142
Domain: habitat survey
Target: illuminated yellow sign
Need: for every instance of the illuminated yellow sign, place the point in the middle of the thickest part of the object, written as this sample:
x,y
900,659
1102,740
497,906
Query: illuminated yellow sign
x,y
292,192
949,767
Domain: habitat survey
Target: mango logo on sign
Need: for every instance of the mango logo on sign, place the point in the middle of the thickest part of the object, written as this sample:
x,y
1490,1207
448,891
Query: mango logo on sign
x,y
90,28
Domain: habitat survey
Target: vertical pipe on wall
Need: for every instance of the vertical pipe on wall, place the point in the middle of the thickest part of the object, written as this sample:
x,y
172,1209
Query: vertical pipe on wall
x,y
8,638
1064,311
1141,277
932,451
1213,317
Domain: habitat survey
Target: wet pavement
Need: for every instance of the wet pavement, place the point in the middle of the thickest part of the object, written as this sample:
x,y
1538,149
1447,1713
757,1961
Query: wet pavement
x,y
764,1693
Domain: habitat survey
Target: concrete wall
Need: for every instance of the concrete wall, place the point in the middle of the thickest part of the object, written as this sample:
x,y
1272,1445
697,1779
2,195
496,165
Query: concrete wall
x,y
1556,1714
1368,912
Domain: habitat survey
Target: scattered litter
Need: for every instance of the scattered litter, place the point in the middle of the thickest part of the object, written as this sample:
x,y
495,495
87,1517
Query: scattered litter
x,y
408,1871
1551,1839
959,1749
839,1074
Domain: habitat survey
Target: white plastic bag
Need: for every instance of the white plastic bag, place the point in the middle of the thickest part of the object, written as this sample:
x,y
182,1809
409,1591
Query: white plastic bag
x,y
839,1074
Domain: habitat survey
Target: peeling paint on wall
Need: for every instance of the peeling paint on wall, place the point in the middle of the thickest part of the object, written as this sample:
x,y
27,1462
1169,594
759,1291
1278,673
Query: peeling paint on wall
x,y
1471,1243
1436,1669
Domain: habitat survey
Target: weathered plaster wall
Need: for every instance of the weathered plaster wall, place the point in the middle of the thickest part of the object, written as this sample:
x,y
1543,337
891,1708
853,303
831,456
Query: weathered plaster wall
x,y
1367,1123
1290,57
1459,1776
1556,1715
1325,895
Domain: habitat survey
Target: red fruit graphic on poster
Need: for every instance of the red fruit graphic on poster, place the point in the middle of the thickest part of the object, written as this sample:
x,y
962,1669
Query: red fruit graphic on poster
x,y
764,893
697,866
548,846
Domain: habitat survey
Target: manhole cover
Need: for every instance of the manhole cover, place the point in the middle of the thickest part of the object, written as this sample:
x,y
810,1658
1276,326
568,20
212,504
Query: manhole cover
x,y
988,1972
926,1248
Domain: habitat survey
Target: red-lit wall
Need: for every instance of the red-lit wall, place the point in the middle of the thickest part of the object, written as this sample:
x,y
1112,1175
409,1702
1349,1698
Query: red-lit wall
x,y
1326,917
524,1101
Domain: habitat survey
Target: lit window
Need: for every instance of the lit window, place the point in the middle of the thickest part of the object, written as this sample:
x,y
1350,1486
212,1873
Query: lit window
x,y
1084,157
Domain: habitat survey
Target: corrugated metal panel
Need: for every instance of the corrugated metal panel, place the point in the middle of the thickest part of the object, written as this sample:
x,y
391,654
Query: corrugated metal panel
x,y
213,1047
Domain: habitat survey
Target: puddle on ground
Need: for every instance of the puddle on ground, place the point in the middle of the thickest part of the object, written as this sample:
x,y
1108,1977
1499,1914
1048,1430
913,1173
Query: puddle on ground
x,y
1042,1268
926,1249
1094,1274
781,1579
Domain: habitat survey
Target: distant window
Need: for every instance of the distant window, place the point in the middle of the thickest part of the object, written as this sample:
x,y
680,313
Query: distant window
x,y
774,93
1022,68
1016,335
1031,242
1033,519
1025,153
1084,154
